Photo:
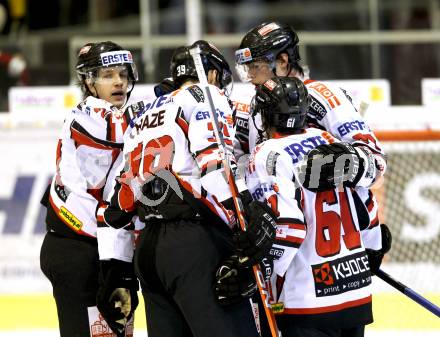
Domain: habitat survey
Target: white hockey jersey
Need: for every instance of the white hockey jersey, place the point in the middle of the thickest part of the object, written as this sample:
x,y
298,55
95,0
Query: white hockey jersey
x,y
88,153
331,109
321,272
172,138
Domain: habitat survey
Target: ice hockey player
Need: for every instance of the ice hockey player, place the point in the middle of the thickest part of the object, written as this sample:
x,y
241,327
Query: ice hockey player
x,y
322,277
173,177
88,153
271,48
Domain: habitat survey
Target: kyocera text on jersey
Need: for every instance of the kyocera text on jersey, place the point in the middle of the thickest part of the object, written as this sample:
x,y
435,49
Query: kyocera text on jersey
x,y
116,57
299,150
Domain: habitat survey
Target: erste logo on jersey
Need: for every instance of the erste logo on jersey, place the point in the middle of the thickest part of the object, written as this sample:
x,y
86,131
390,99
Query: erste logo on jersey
x,y
299,150
201,115
347,127
258,193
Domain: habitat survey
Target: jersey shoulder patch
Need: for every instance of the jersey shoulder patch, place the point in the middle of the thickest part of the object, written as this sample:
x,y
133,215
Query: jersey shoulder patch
x,y
316,109
133,111
197,93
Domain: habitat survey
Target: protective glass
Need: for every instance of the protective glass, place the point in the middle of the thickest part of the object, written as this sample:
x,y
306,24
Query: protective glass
x,y
247,66
249,70
109,75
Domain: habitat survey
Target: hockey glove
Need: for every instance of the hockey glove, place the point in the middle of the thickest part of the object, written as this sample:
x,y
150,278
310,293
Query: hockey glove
x,y
255,243
233,282
266,267
375,256
165,87
329,165
117,294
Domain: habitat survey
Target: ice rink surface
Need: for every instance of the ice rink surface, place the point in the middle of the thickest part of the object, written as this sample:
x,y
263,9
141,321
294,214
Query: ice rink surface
x,y
143,333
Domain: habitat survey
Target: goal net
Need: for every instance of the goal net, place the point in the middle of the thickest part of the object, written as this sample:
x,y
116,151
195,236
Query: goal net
x,y
409,203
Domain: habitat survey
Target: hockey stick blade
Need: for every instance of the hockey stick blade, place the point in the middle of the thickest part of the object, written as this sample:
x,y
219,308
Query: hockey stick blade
x,y
195,53
409,292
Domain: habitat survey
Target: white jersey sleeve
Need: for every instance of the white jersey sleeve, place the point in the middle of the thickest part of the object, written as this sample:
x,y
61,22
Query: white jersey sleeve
x,y
271,179
88,153
332,109
203,144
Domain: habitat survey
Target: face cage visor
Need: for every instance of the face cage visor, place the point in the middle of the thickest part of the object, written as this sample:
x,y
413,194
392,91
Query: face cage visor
x,y
245,64
108,75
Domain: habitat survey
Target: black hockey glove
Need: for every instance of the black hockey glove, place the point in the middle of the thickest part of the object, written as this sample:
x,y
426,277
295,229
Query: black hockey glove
x,y
255,243
329,165
266,267
233,282
117,294
375,256
164,87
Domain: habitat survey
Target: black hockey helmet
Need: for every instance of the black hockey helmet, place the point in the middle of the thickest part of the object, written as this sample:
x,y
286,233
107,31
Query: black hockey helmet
x,y
265,42
182,64
93,56
283,103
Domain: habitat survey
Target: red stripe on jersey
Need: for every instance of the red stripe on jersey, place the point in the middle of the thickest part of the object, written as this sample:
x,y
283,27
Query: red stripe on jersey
x,y
370,204
58,153
95,193
299,226
374,222
183,124
124,126
113,131
208,151
100,213
291,239
330,308
82,139
230,215
211,165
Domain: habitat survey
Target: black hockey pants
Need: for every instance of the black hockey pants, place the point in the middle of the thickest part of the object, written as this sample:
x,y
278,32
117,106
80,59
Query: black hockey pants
x,y
176,262
72,267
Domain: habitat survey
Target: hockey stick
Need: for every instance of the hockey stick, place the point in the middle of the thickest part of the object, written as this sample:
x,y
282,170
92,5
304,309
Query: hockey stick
x,y
195,53
409,292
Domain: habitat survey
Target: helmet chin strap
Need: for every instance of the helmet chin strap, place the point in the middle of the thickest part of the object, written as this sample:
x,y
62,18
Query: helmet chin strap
x,y
128,94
